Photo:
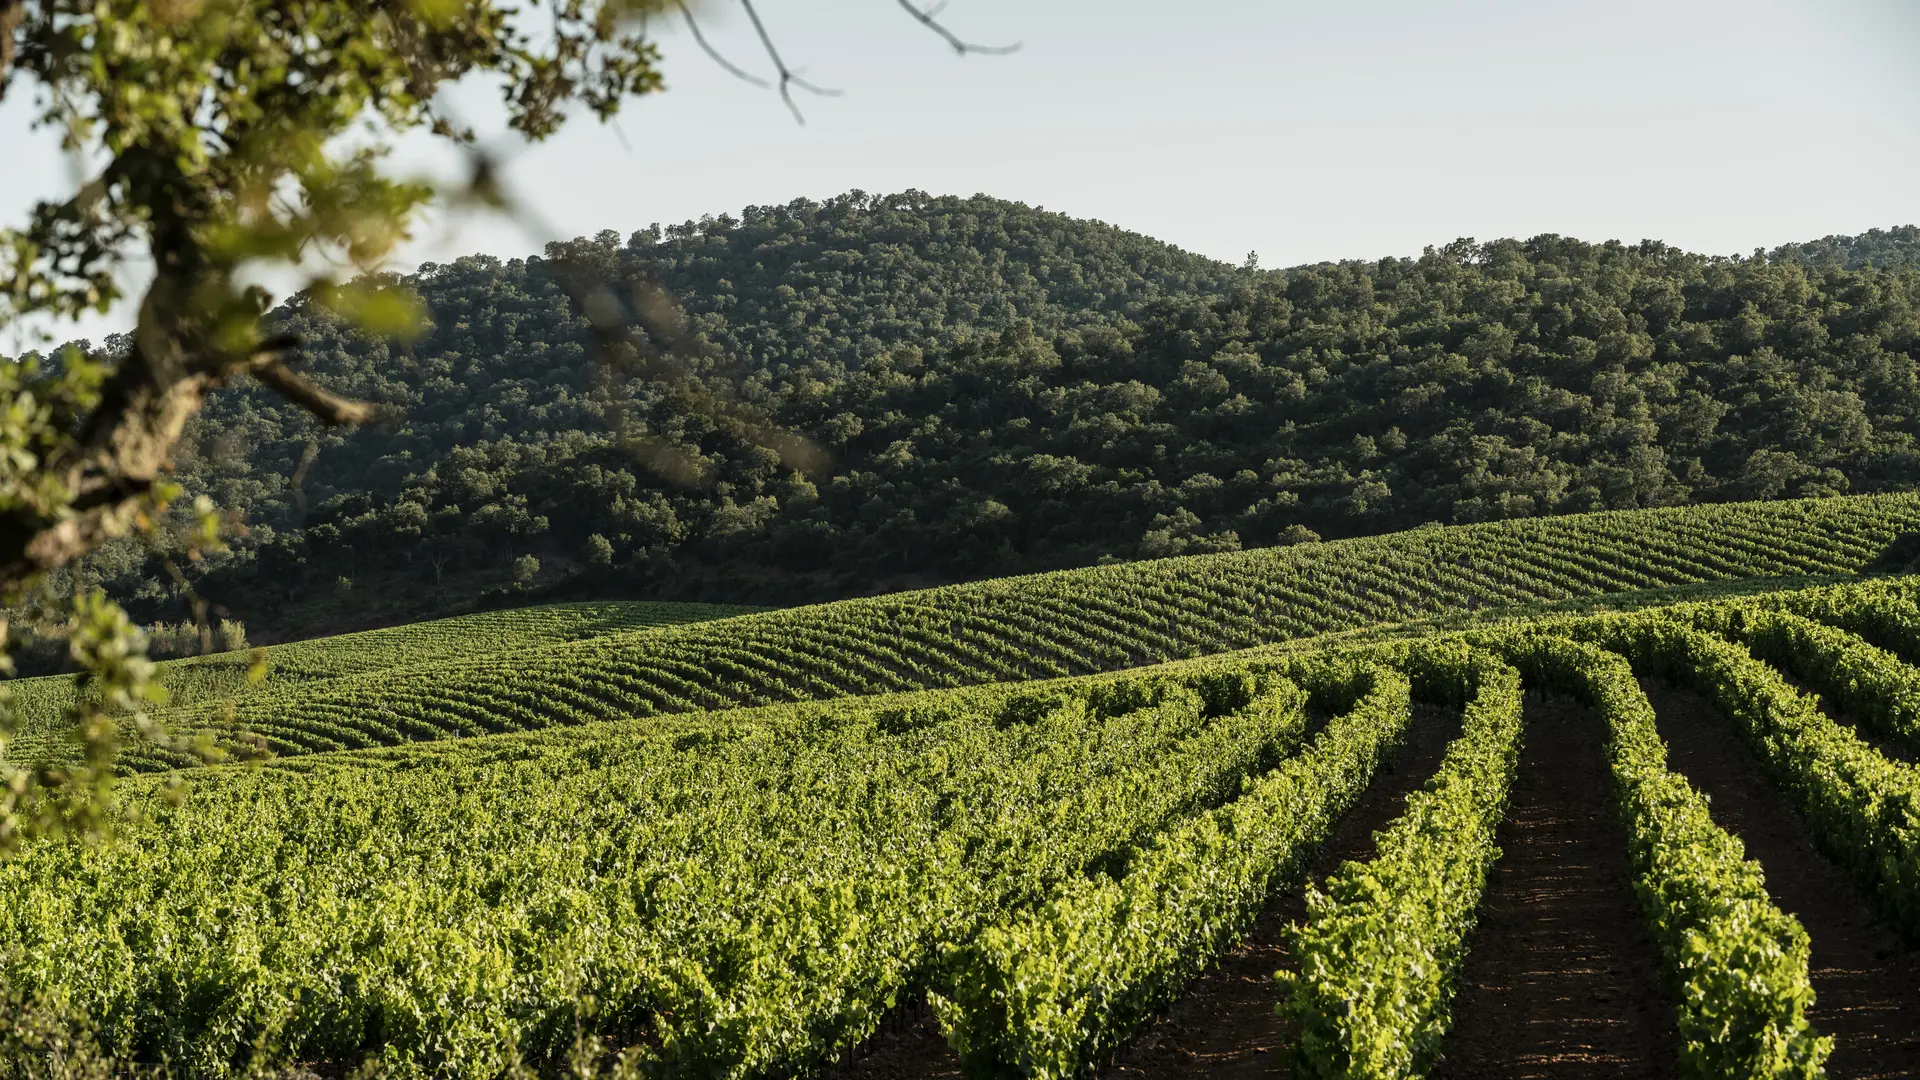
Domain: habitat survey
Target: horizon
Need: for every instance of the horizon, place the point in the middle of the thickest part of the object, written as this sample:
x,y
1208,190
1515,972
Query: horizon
x,y
103,326
1301,134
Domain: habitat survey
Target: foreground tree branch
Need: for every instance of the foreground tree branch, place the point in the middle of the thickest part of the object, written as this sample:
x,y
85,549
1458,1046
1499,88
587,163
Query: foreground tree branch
x,y
111,470
224,159
11,12
335,411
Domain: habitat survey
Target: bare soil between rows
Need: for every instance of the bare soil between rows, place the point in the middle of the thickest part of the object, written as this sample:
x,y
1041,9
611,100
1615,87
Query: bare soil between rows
x,y
1563,979
1224,1026
1866,978
908,1046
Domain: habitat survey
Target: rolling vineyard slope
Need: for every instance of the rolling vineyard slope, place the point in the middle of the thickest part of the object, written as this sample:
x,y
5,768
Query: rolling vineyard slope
x,y
233,676
752,893
1070,623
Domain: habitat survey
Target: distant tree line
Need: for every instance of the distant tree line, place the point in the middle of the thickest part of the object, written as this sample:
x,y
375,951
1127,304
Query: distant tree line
x,y
989,388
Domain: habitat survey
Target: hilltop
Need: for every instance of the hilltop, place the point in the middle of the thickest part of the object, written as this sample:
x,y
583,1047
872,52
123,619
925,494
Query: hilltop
x,y
984,388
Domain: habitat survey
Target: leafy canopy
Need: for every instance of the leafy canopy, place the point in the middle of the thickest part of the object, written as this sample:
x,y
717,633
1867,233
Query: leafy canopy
x,y
222,135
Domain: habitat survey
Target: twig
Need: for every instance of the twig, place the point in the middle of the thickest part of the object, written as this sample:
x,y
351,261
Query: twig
x,y
714,54
268,363
927,17
788,79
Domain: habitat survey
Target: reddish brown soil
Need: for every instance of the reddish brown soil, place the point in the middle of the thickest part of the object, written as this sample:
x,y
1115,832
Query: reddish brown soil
x,y
1224,1026
1866,978
1563,979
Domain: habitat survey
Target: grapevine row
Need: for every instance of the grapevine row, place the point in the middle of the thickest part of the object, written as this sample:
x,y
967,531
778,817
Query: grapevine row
x,y
1733,962
1863,807
194,682
1380,951
1876,688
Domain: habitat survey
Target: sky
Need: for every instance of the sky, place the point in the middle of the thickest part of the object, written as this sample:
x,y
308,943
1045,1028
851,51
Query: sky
x,y
1299,130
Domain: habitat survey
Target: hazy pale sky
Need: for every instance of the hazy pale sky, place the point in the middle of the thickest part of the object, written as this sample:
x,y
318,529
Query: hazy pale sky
x,y
1300,130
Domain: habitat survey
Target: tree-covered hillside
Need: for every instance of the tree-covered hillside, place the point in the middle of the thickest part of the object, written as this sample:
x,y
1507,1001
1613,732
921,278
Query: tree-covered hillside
x,y
991,388
1875,247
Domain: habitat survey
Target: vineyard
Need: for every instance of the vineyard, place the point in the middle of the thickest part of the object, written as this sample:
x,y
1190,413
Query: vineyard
x,y
1221,815
214,681
1056,625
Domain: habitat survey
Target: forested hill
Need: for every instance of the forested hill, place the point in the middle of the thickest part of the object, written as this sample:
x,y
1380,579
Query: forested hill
x,y
782,302
774,308
1879,247
993,388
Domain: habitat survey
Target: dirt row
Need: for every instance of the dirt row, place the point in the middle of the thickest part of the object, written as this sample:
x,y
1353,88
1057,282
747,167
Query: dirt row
x,y
1563,979
1866,979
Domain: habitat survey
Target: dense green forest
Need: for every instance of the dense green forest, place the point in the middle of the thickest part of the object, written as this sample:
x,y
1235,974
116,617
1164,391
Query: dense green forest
x,y
988,388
